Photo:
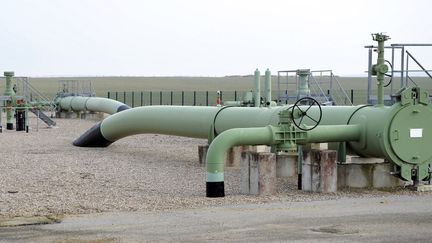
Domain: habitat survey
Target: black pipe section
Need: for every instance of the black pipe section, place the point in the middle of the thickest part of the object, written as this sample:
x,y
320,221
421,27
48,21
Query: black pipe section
x,y
92,138
215,189
122,108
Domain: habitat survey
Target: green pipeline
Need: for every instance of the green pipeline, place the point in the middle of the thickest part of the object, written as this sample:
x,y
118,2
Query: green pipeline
x,y
391,132
264,136
95,104
193,121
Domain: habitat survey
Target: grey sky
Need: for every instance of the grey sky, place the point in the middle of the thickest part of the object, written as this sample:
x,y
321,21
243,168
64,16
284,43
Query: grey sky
x,y
200,37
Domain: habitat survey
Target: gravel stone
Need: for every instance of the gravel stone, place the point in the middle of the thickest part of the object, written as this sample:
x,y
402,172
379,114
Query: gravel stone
x,y
44,174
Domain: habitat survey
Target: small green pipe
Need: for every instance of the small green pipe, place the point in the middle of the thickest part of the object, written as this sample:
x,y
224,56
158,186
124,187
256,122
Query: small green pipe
x,y
221,144
11,101
257,91
268,87
264,136
303,83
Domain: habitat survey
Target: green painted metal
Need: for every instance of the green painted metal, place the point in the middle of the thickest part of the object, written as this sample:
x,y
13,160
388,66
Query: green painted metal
x,y
268,87
239,136
11,102
257,89
380,68
303,83
95,104
188,121
271,135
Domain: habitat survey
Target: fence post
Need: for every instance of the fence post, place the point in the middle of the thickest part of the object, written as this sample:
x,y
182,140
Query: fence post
x,y
116,95
151,98
182,98
221,96
133,99
207,103
142,98
171,98
124,97
352,96
160,97
108,95
235,95
194,98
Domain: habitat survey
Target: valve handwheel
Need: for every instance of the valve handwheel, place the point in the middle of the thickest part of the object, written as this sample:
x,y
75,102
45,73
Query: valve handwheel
x,y
299,113
389,75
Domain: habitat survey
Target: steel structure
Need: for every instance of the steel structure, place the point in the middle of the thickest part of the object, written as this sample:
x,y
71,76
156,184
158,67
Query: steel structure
x,y
402,74
400,133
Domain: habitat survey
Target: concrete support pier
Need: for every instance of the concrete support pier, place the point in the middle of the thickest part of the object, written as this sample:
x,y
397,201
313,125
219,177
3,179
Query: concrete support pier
x,y
233,156
286,165
258,173
367,173
319,171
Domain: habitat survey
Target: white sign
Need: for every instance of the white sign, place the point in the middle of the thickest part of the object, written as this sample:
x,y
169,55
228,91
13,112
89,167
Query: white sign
x,y
416,132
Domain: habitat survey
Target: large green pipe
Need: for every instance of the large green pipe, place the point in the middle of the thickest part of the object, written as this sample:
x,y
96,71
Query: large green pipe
x,y
95,104
266,136
393,132
194,121
11,102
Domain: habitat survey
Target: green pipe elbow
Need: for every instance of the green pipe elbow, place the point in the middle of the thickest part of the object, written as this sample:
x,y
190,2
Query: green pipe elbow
x,y
221,144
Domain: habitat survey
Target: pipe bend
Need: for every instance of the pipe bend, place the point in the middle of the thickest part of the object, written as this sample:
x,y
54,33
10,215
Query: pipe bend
x,y
221,144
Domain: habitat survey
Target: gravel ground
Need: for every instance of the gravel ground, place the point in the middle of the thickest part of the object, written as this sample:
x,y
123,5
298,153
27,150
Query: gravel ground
x,y
44,174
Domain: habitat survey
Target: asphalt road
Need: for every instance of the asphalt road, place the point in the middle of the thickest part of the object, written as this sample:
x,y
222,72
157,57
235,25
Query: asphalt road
x,y
373,219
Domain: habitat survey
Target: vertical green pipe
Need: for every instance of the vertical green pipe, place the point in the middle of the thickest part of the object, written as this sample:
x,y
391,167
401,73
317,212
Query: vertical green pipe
x,y
303,83
268,90
380,68
380,76
257,94
11,101
221,144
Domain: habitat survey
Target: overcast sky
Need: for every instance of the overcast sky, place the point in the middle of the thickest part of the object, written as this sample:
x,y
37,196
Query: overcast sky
x,y
201,37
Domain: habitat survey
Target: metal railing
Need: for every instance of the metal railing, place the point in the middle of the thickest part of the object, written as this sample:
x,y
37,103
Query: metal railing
x,y
319,82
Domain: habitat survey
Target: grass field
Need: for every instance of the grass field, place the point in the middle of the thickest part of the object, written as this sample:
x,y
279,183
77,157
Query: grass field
x,y
164,85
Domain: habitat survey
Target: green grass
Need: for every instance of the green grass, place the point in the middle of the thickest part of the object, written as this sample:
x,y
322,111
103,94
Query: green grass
x,y
228,85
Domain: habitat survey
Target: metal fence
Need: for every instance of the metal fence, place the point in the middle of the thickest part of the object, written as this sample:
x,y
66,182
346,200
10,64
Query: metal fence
x,y
201,98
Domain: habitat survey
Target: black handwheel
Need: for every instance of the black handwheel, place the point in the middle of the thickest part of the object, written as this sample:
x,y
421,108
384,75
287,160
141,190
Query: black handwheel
x,y
301,113
389,75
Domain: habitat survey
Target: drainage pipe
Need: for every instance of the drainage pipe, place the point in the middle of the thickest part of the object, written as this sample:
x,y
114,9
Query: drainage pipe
x,y
264,136
96,104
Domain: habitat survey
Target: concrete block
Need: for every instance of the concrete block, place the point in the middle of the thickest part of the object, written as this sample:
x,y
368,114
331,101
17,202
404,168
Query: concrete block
x,y
258,173
362,160
319,146
202,154
319,171
367,175
306,173
423,188
286,165
232,156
